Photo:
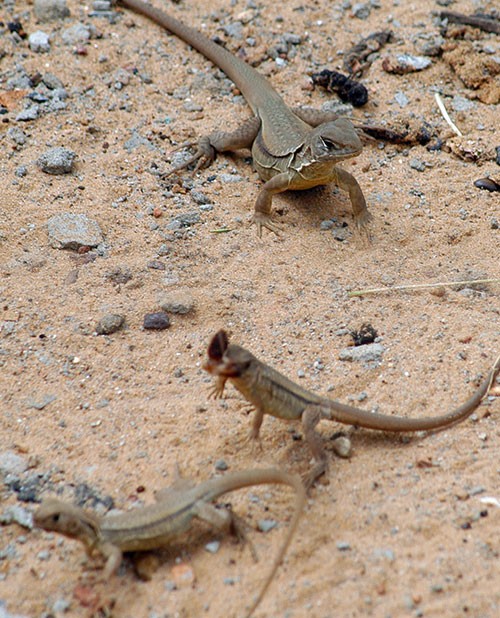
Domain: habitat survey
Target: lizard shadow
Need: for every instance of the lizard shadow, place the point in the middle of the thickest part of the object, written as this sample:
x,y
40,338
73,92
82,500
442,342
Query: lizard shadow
x,y
325,202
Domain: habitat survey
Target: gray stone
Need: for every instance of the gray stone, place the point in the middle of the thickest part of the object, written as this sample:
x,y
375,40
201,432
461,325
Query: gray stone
x,y
72,231
57,161
11,463
78,33
177,302
265,525
401,99
50,10
31,112
17,514
363,354
109,324
39,41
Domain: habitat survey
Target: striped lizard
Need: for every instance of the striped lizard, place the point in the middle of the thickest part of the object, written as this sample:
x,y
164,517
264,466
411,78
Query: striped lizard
x,y
158,524
272,393
293,149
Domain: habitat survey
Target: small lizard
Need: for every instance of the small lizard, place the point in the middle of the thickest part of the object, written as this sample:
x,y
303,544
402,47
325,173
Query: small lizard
x,y
156,525
291,149
272,393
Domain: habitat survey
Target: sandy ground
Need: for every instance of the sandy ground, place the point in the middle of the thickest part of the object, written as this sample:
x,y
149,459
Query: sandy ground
x,y
401,528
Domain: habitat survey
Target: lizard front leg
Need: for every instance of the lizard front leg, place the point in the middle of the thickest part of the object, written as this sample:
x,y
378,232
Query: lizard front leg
x,y
348,183
221,141
262,214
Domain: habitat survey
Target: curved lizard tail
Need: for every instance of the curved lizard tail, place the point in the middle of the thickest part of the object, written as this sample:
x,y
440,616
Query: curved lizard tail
x,y
278,476
362,418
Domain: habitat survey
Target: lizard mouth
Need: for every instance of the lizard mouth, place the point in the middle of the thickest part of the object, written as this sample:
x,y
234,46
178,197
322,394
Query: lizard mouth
x,y
221,368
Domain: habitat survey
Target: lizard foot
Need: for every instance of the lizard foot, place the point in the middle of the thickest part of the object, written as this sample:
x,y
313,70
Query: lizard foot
x,y
255,443
203,157
311,477
362,221
262,220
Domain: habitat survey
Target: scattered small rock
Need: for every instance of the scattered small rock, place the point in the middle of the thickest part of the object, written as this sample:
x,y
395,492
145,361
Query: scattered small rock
x,y
39,41
17,514
363,354
265,525
343,545
418,165
51,10
42,403
109,324
57,161
177,302
76,34
158,320
213,547
72,231
405,63
11,463
401,99
342,446
221,465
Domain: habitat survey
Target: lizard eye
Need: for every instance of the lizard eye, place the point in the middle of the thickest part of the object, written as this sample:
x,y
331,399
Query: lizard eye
x,y
329,144
55,518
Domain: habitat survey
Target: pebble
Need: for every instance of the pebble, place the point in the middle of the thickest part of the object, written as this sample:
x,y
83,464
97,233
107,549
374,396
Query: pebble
x,y
361,10
158,320
401,99
61,605
72,231
41,403
18,515
78,33
213,547
461,104
221,465
11,463
184,220
405,63
371,352
6,614
17,135
342,446
177,302
200,198
418,165
109,324
43,555
51,10
265,525
343,545
57,161
39,42
31,112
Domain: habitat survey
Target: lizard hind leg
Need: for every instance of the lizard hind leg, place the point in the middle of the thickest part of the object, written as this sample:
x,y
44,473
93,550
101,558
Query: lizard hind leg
x,y
310,418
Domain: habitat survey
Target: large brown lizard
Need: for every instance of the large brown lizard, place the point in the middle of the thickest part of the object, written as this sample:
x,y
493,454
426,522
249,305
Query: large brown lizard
x,y
272,393
291,149
156,525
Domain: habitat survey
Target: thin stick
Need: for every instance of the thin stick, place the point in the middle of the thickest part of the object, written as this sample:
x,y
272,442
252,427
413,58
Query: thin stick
x,y
446,116
419,286
489,24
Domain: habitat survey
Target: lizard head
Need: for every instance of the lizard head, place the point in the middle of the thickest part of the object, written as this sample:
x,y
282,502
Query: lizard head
x,y
226,359
334,141
57,516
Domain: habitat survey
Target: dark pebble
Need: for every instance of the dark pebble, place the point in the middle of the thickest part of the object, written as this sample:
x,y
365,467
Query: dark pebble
x,y
487,183
156,321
